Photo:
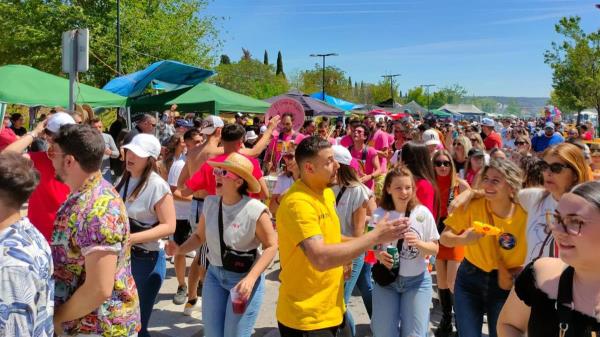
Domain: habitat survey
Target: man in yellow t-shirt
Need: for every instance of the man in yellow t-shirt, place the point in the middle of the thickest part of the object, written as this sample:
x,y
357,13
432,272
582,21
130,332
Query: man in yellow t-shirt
x,y
311,249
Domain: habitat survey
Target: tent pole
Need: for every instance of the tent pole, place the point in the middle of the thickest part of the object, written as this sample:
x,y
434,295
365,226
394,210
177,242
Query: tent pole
x,y
128,113
2,112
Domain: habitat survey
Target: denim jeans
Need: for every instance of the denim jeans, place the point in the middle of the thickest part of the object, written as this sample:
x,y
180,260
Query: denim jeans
x,y
149,272
404,302
365,286
217,313
357,265
477,292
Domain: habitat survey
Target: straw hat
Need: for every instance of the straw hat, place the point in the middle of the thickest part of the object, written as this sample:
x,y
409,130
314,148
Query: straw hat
x,y
241,167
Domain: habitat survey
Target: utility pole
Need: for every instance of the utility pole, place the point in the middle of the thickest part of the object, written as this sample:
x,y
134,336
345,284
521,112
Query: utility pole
x,y
119,37
427,86
323,71
391,77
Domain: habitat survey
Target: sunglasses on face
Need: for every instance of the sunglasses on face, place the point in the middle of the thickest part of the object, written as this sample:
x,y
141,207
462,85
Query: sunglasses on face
x,y
474,140
224,173
520,143
554,167
569,224
440,163
457,144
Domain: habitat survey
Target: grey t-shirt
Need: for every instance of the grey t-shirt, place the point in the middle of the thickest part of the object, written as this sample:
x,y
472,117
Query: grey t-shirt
x,y
350,201
142,207
239,225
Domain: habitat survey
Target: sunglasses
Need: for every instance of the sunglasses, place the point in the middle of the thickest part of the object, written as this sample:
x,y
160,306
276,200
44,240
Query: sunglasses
x,y
224,173
554,167
440,163
570,225
474,140
457,144
520,143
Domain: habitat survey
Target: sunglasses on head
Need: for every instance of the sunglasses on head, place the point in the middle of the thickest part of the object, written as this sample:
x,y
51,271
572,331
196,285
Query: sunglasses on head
x,y
554,167
440,163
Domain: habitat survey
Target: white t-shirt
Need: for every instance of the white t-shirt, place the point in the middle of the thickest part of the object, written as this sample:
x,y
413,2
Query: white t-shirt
x,y
421,222
529,198
284,182
142,207
396,157
239,225
351,200
182,208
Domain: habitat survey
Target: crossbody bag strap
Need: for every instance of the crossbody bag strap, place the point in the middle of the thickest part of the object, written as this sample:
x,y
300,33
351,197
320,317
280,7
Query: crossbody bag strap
x,y
125,188
339,196
564,301
221,240
401,241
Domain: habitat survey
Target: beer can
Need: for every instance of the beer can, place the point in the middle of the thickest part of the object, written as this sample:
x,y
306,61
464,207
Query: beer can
x,y
393,251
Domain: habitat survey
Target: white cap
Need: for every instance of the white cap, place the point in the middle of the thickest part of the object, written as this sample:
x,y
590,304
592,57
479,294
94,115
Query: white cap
x,y
210,124
55,121
341,154
144,145
488,122
431,137
251,135
263,129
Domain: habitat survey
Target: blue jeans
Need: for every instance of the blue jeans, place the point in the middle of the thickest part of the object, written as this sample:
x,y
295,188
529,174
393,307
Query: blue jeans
x,y
365,286
149,270
217,313
404,302
357,265
475,293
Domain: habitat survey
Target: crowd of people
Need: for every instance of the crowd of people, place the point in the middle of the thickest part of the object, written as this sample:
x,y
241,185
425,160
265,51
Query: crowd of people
x,y
502,210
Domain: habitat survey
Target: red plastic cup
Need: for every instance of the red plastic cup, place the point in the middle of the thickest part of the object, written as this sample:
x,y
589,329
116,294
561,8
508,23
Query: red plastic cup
x,y
238,303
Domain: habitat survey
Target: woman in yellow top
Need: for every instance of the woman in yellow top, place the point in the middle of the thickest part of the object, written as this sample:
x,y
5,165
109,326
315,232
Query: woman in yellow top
x,y
477,290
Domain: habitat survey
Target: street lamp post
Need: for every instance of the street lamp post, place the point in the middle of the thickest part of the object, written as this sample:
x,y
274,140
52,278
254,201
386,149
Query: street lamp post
x,y
427,86
391,77
323,71
119,37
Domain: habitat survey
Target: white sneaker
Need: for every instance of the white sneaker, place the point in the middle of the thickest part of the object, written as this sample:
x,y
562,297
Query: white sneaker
x,y
189,308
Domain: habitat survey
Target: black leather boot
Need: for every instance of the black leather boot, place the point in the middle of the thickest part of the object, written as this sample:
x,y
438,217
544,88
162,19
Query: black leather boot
x,y
445,329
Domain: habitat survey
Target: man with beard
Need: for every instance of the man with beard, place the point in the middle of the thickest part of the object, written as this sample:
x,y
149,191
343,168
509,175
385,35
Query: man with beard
x,y
95,291
311,249
50,192
540,142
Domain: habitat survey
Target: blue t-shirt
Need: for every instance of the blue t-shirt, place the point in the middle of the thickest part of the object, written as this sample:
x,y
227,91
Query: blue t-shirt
x,y
26,285
542,142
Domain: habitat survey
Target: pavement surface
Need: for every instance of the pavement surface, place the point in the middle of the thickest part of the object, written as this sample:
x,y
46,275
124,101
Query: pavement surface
x,y
168,320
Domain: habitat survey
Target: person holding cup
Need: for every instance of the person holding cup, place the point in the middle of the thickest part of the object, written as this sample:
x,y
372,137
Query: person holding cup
x,y
233,225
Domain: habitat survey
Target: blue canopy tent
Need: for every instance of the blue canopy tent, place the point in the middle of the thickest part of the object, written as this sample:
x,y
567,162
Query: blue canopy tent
x,y
336,102
168,74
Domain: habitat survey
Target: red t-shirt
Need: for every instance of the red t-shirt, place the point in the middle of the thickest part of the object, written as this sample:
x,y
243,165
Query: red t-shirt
x,y
492,140
587,135
47,197
426,195
204,179
7,137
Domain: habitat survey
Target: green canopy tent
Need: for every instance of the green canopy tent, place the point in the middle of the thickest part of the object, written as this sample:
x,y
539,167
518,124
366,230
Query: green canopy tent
x,y
441,113
206,97
148,103
24,85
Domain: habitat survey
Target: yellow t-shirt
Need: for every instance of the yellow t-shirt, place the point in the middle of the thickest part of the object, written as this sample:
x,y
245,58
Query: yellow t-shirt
x,y
308,299
512,241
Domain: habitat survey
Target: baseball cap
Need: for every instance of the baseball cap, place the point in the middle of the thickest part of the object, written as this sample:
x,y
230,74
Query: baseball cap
x,y
55,121
549,125
475,153
341,154
251,135
183,123
263,129
210,124
488,122
431,137
144,145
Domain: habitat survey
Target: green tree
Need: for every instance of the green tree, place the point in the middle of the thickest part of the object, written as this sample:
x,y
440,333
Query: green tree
x,y
418,95
483,103
250,77
279,70
30,34
225,59
513,108
336,82
575,63
266,58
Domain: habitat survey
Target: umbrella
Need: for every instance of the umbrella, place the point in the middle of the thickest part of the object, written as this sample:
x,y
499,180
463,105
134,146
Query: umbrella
x,y
334,101
24,85
378,112
165,74
312,106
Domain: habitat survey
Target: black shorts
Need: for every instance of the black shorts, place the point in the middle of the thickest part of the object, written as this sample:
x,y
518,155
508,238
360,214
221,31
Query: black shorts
x,y
183,230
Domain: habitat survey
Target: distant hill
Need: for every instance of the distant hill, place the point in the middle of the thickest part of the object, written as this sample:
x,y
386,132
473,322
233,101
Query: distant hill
x,y
529,104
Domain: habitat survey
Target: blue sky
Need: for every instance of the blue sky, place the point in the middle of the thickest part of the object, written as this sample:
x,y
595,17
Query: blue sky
x,y
491,47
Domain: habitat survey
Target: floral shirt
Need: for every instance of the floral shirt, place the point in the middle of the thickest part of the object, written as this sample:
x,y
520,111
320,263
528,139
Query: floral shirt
x,y
94,219
26,285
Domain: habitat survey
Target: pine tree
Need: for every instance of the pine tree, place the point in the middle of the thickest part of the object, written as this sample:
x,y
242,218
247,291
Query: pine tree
x,y
246,55
225,59
266,58
279,70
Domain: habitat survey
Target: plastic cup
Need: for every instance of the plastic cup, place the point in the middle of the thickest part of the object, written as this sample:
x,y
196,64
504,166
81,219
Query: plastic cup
x,y
238,303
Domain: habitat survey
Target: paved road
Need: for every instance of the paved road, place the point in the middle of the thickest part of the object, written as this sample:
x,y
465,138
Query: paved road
x,y
168,320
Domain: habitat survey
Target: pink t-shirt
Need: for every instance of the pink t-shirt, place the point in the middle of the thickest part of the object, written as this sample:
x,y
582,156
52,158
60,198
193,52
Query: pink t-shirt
x,y
346,141
281,144
380,141
366,165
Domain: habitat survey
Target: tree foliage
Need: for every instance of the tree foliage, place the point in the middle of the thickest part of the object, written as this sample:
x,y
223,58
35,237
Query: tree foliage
x,y
575,63
279,70
266,58
250,77
30,34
